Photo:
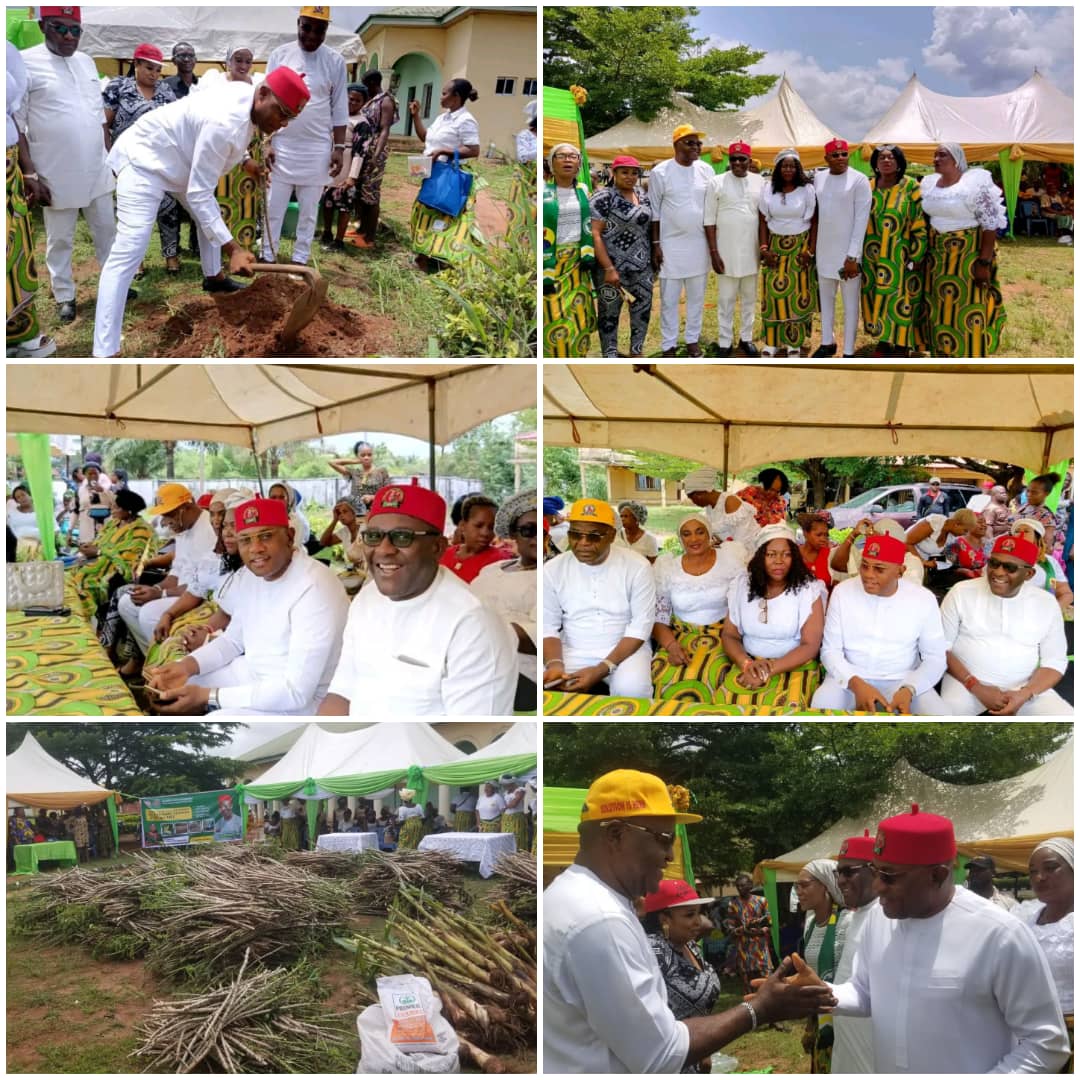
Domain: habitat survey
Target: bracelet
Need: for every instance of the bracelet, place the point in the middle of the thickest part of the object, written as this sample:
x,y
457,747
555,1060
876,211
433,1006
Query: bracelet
x,y
747,662
610,666
753,1015
339,146
969,682
656,243
550,662
30,176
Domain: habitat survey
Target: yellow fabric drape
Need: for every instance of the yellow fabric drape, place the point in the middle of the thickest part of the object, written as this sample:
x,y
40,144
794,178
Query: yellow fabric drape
x,y
560,850
559,131
58,800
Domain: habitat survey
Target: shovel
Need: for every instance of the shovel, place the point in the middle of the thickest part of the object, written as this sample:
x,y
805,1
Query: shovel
x,y
306,304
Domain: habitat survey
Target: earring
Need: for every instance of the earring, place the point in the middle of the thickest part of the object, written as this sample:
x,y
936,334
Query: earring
x,y
665,930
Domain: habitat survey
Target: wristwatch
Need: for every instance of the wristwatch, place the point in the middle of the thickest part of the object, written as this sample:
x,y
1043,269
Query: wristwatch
x,y
212,701
610,666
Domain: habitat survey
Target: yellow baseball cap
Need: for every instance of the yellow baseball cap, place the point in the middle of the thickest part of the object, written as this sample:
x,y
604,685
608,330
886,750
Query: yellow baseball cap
x,y
170,497
592,510
685,129
318,12
627,793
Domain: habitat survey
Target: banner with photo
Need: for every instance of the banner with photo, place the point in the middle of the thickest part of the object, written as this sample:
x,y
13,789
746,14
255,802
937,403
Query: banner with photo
x,y
205,817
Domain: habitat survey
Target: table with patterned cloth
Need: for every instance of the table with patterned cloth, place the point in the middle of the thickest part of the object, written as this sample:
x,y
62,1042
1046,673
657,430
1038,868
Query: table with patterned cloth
x,y
57,667
347,841
483,848
557,703
27,856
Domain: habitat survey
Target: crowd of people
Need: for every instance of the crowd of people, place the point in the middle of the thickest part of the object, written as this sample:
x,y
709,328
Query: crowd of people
x,y
897,968
952,616
88,828
220,604
915,260
226,151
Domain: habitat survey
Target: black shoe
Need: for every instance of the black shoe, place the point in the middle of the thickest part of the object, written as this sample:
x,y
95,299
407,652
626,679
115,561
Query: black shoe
x,y
221,284
133,294
749,348
668,352
849,356
825,350
723,350
693,349
67,311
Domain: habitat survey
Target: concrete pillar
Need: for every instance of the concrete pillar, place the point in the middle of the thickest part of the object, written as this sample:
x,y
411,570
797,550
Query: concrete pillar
x,y
378,805
444,800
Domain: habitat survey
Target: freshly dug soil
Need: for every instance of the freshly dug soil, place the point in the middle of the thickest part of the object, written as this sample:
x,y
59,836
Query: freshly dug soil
x,y
249,323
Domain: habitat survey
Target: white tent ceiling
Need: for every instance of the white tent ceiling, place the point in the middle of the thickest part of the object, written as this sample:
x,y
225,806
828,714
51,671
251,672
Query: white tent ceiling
x,y
34,778
262,405
519,739
116,31
734,416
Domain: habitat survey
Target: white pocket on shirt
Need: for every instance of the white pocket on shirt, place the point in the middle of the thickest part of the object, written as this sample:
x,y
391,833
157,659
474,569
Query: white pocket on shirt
x,y
945,984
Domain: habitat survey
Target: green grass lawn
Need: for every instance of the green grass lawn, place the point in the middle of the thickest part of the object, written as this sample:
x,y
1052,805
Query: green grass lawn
x,y
1036,275
382,283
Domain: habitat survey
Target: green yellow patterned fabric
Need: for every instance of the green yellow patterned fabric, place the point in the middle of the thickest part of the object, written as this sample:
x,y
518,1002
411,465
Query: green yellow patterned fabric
x,y
120,547
519,826
240,200
521,231
165,652
491,826
439,236
569,311
22,276
586,251
562,704
789,294
412,831
464,821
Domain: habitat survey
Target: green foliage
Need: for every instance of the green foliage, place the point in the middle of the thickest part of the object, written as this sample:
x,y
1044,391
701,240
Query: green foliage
x,y
663,466
484,453
561,475
826,477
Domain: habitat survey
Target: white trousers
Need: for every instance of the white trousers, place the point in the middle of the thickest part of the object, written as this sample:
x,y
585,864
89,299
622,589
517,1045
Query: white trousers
x,y
138,196
238,673
277,202
632,678
961,702
142,620
831,695
670,291
729,288
849,297
60,241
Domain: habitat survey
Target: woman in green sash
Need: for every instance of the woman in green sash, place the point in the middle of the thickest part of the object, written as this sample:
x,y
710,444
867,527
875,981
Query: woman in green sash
x,y
569,307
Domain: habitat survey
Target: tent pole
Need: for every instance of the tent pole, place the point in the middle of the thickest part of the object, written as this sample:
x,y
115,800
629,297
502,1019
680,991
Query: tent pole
x,y
1047,442
255,457
431,431
727,439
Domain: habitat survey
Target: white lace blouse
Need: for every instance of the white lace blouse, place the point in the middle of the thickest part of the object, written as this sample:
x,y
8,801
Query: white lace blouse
x,y
1058,941
702,599
788,214
787,613
972,201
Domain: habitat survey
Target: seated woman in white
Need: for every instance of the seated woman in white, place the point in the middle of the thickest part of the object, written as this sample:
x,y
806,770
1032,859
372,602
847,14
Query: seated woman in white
x,y
1048,574
632,516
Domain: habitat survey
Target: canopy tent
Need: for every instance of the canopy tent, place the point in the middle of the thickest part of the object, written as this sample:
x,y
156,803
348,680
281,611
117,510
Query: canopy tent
x,y
783,119
514,752
36,778
115,31
264,405
1034,121
739,415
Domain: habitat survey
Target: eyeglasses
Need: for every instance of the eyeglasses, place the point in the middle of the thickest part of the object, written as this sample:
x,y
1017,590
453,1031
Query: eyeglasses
x,y
64,30
566,157
592,537
839,154
889,877
526,531
400,538
736,159
851,871
184,56
1009,568
664,839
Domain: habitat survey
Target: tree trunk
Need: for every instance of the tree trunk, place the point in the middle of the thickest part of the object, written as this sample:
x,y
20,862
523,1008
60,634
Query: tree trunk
x,y
170,459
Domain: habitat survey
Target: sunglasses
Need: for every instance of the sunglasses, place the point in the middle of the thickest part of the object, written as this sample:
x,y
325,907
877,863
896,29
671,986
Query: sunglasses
x,y
184,56
400,538
737,159
592,537
1009,568
64,30
851,871
526,531
664,839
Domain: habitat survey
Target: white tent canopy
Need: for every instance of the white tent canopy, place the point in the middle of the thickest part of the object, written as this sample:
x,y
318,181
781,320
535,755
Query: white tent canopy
x,y
116,31
34,778
264,405
1038,803
740,415
519,739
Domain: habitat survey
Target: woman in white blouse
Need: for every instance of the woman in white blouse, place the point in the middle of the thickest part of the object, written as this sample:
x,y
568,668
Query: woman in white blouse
x,y
964,306
787,235
633,516
437,238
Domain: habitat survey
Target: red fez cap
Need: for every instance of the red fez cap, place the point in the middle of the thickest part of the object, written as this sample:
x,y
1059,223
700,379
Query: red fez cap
x,y
412,500
149,52
672,893
885,549
626,161
224,800
205,500
289,88
915,839
63,12
739,148
858,847
835,144
1017,546
261,514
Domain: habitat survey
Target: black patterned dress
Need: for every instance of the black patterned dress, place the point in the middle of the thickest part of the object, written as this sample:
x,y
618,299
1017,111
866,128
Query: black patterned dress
x,y
691,990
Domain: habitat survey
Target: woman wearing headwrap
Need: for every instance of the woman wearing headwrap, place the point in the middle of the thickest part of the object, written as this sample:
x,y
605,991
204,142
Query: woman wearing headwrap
x,y
893,254
509,587
287,494
410,821
633,516
555,529
569,306
1050,916
340,197
787,237
818,890
964,309
767,496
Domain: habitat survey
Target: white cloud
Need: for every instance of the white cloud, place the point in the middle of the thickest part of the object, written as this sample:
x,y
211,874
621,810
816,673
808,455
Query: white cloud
x,y
995,49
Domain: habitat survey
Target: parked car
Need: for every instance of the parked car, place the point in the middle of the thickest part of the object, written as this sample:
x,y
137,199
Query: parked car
x,y
897,501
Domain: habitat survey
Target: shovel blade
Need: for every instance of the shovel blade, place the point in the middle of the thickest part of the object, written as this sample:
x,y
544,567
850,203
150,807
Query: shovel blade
x,y
306,304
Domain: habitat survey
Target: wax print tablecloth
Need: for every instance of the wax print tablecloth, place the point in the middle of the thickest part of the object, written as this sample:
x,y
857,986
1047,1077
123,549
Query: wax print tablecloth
x,y
347,841
27,856
483,848
557,703
57,667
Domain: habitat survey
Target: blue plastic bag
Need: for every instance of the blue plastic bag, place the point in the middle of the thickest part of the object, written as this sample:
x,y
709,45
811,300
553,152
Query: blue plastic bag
x,y
447,188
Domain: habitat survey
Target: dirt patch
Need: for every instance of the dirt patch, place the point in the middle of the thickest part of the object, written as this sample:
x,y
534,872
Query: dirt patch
x,y
249,323
492,216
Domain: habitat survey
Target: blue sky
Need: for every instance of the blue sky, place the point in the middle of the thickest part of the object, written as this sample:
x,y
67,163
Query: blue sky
x,y
850,62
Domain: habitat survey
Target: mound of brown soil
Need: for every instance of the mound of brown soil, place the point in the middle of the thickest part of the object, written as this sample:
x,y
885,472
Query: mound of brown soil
x,y
249,323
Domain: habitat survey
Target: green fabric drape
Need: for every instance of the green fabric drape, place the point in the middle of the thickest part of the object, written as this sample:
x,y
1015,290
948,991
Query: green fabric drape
x,y
114,824
466,773
238,799
855,161
774,907
560,105
1052,497
561,808
688,866
1010,181
21,31
415,780
34,450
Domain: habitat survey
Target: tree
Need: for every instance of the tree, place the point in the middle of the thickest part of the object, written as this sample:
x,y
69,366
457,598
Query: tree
x,y
662,466
631,60
561,474
169,446
138,759
826,476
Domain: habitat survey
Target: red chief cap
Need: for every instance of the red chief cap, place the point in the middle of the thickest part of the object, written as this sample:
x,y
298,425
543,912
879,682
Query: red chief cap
x,y
885,549
63,12
205,500
739,148
1017,546
149,52
858,847
672,893
413,501
835,144
915,839
289,88
224,800
261,514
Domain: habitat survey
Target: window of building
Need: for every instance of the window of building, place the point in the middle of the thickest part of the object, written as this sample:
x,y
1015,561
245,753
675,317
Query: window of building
x,y
646,483
528,87
426,106
504,85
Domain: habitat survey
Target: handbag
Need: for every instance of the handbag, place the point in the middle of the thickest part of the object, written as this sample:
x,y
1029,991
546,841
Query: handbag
x,y
35,585
447,188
